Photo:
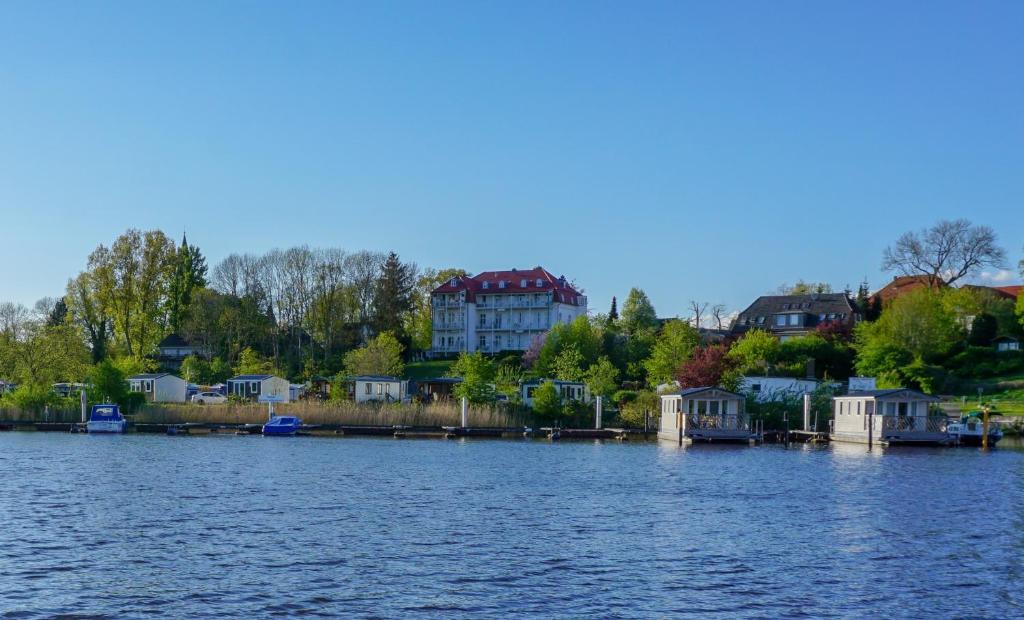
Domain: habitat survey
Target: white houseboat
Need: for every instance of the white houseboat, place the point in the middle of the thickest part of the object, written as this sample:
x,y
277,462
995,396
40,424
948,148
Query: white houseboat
x,y
709,414
887,417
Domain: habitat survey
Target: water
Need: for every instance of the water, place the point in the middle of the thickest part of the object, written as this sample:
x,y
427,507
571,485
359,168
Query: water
x,y
242,527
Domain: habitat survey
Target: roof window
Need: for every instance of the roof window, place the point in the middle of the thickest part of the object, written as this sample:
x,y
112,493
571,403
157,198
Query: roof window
x,y
487,284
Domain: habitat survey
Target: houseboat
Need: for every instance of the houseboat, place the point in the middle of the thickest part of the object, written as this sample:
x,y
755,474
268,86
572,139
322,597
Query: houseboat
x,y
888,417
704,414
106,419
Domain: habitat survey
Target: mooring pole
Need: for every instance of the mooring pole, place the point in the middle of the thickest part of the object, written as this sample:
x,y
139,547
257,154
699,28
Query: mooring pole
x,y
785,418
871,426
465,413
83,400
807,412
597,412
984,428
646,424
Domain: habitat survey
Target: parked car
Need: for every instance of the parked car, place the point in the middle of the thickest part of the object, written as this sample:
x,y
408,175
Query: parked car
x,y
209,398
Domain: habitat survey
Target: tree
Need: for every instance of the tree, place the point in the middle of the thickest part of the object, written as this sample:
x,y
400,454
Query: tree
x,y
613,313
602,378
755,351
108,383
944,253
252,363
547,402
393,297
984,329
508,379
87,312
708,367
638,313
477,374
718,316
674,345
189,274
698,309
382,355
568,364
805,288
583,334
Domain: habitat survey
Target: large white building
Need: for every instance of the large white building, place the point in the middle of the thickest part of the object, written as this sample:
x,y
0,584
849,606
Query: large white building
x,y
499,311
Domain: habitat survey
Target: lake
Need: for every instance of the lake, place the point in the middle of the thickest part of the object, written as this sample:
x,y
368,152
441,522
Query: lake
x,y
240,527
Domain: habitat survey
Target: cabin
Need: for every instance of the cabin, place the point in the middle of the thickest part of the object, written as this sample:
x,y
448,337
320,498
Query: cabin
x,y
767,389
1006,343
251,387
439,388
568,390
159,387
704,414
379,388
887,417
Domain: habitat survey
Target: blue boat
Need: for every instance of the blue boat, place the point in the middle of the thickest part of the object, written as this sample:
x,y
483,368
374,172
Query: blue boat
x,y
282,425
106,418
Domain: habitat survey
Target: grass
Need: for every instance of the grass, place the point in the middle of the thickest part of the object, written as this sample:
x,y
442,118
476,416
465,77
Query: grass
x,y
428,369
349,413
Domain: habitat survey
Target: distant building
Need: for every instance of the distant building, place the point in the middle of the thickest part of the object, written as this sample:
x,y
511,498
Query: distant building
x,y
439,388
568,390
379,388
901,285
159,387
1006,343
499,311
173,350
765,389
786,316
253,386
999,292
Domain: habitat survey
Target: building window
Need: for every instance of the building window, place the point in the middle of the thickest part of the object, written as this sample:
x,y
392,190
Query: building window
x,y
780,320
760,320
483,342
522,284
369,388
254,387
794,319
487,284
147,386
540,283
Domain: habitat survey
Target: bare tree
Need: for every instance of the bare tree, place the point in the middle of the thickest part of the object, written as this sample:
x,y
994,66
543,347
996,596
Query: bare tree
x,y
945,253
717,311
698,309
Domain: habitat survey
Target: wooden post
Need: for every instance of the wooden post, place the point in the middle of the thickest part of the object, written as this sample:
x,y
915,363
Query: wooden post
x,y
871,426
984,428
679,426
807,412
646,423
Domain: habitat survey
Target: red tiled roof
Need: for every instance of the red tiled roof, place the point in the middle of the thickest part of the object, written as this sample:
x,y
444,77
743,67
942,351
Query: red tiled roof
x,y
1012,291
514,283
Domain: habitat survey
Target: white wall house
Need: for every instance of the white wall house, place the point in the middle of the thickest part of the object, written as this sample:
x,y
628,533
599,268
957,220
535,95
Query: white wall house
x,y
568,390
499,311
898,416
377,388
159,387
765,389
254,386
706,414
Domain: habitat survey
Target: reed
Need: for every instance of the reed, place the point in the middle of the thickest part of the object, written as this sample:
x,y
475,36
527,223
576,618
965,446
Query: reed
x,y
347,413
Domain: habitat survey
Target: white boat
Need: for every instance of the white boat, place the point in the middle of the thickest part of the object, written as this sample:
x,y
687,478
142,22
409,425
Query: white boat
x,y
970,429
106,419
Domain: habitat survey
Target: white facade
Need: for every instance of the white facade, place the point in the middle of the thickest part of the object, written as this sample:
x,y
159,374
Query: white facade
x,y
255,386
380,389
767,389
887,417
159,388
568,390
501,311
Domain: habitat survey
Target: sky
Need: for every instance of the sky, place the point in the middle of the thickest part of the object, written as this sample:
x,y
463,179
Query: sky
x,y
707,151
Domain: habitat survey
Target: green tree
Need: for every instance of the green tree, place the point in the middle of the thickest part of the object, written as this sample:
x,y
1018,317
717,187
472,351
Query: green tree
x,y
393,297
195,369
984,329
507,380
381,356
478,373
613,313
638,313
250,362
108,383
188,274
805,288
602,378
756,351
547,402
581,334
568,364
675,343
88,313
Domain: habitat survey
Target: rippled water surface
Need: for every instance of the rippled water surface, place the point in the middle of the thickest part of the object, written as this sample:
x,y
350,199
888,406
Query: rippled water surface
x,y
137,526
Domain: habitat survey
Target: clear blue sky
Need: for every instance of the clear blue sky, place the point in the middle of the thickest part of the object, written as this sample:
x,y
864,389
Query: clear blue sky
x,y
702,150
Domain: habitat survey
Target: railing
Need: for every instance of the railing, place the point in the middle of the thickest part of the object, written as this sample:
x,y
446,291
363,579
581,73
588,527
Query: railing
x,y
718,422
449,325
914,423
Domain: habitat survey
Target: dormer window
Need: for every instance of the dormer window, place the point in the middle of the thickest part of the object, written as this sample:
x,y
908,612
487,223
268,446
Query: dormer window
x,y
501,284
540,283
453,281
487,284
523,283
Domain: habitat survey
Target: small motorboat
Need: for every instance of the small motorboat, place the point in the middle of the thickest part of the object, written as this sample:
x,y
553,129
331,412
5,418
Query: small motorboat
x,y
282,425
106,419
970,429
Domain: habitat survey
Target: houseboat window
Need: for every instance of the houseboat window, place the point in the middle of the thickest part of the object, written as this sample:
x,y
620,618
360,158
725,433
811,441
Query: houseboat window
x,y
869,408
369,388
690,406
147,386
380,389
702,407
713,407
904,408
858,407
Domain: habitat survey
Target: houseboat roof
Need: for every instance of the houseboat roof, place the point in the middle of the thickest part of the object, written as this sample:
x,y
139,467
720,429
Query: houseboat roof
x,y
889,393
697,390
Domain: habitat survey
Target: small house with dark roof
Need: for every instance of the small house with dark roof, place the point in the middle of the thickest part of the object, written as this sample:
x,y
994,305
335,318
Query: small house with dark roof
x,y
786,316
1006,344
173,350
159,387
704,414
252,387
887,417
